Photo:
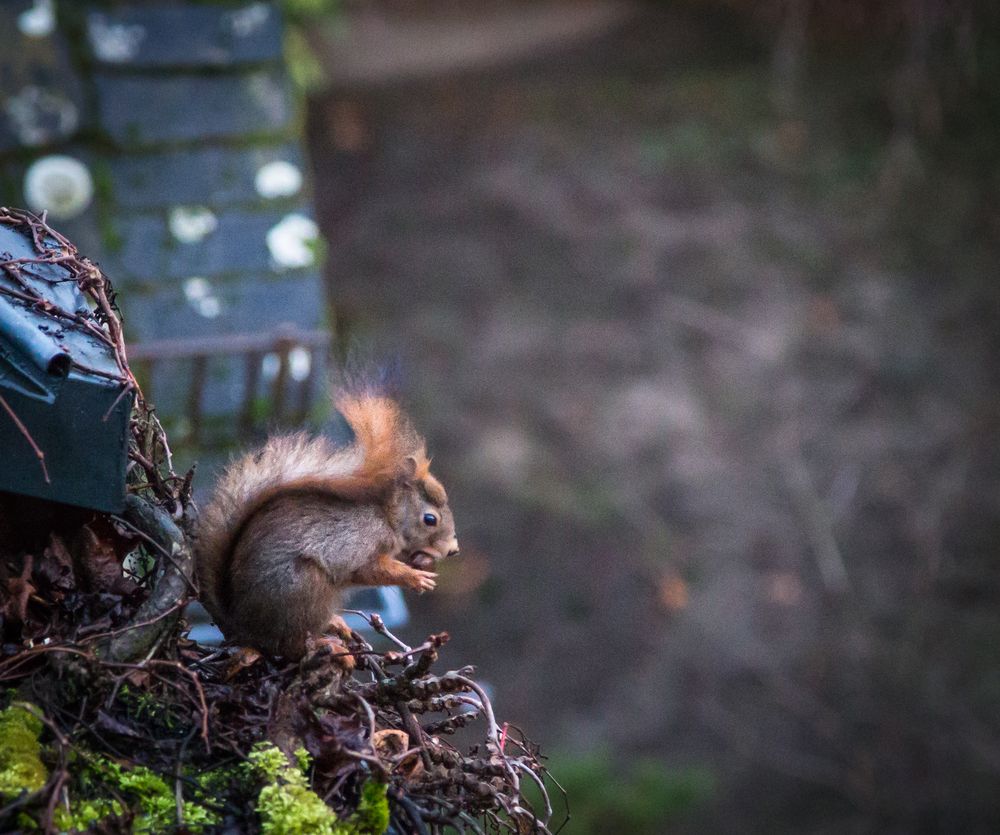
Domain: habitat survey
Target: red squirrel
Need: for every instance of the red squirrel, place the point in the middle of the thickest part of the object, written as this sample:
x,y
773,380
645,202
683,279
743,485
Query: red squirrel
x,y
295,522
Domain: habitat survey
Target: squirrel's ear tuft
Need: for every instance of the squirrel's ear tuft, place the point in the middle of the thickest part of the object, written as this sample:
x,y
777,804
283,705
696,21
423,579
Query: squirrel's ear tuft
x,y
420,463
434,490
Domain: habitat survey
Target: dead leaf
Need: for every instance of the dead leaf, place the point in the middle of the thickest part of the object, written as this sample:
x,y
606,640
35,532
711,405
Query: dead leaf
x,y
391,746
99,563
139,678
57,564
390,743
19,590
326,735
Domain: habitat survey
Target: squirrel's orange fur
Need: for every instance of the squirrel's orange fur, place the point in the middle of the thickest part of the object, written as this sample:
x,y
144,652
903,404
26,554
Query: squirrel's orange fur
x,y
293,523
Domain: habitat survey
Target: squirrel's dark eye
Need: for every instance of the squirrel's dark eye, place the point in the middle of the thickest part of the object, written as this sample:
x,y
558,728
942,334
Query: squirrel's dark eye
x,y
430,519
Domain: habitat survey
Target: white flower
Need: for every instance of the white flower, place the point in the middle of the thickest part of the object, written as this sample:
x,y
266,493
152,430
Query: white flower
x,y
39,20
191,224
38,115
244,22
114,42
196,288
278,179
209,308
292,242
60,185
198,292
269,366
299,363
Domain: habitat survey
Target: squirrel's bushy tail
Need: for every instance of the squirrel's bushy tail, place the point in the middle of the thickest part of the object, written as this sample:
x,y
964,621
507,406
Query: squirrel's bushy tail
x,y
384,434
384,440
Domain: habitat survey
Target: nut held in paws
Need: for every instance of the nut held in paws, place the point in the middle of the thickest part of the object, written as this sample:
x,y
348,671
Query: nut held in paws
x,y
425,562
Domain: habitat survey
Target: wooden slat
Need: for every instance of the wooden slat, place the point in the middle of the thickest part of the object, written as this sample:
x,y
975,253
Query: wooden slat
x,y
199,370
290,400
306,388
280,385
253,361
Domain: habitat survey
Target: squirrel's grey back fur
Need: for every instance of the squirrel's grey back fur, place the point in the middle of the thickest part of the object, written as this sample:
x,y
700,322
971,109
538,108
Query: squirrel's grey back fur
x,y
284,459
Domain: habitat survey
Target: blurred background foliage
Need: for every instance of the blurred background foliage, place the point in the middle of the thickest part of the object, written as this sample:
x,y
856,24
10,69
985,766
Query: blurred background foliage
x,y
641,797
698,307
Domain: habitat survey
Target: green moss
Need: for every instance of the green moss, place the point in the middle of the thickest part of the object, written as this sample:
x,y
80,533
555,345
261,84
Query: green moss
x,y
372,815
268,763
303,760
83,814
26,823
21,766
22,769
218,782
287,806
289,809
304,67
155,798
141,705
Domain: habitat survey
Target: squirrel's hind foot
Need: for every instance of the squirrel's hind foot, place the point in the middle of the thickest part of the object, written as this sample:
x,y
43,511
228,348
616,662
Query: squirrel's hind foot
x,y
338,626
321,647
243,657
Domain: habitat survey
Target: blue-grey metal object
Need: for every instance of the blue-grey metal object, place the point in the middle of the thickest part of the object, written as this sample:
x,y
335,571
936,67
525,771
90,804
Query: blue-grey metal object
x,y
60,386
385,601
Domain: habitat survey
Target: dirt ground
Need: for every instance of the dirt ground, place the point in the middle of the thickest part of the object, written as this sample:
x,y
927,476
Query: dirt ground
x,y
714,396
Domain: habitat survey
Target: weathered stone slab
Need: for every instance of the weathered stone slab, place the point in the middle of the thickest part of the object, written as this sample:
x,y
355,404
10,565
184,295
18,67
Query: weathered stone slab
x,y
41,99
141,110
214,176
195,241
198,307
185,35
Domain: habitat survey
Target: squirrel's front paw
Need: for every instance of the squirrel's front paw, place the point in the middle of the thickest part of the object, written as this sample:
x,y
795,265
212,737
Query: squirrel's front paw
x,y
422,580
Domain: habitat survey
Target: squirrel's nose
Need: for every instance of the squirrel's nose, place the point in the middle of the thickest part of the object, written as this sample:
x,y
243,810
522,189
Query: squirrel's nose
x,y
451,548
